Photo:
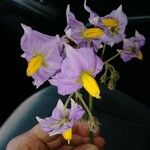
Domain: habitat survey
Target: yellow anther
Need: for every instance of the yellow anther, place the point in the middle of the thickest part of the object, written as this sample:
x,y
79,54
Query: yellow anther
x,y
109,22
93,33
90,84
35,64
68,135
140,55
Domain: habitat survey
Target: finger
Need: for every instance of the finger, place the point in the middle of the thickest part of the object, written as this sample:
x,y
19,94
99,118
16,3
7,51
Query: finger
x,y
83,130
74,128
55,144
37,132
99,142
86,147
76,139
67,147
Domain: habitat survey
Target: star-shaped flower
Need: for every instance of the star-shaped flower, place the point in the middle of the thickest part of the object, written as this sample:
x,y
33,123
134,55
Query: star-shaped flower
x,y
131,47
113,23
42,53
78,70
62,119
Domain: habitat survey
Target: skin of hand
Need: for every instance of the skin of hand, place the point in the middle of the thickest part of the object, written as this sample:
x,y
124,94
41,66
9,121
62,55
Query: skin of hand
x,y
37,139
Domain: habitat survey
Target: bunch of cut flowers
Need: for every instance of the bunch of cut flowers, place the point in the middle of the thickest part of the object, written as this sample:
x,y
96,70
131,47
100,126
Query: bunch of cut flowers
x,y
72,62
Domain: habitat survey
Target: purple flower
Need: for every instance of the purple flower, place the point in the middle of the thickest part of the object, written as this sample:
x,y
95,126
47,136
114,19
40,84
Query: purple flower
x,y
131,47
114,24
94,17
78,70
62,119
82,36
42,53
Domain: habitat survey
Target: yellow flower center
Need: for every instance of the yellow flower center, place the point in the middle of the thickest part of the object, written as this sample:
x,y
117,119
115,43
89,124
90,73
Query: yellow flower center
x,y
92,33
68,135
35,64
140,55
109,22
90,84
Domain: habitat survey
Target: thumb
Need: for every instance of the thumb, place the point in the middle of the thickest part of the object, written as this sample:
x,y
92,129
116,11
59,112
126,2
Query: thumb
x,y
87,147
38,133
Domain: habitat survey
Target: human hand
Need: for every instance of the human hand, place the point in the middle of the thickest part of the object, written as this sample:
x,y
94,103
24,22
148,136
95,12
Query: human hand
x,y
36,139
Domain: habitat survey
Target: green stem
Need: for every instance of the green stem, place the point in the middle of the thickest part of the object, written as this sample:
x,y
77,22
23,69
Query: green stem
x,y
91,135
90,102
103,51
68,99
112,58
84,104
110,67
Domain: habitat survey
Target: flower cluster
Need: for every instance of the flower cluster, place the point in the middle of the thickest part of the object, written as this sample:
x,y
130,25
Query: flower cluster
x,y
71,62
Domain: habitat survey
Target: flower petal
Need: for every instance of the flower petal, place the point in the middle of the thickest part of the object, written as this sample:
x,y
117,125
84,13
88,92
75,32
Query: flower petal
x,y
94,18
65,85
58,111
61,129
74,27
76,112
47,124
